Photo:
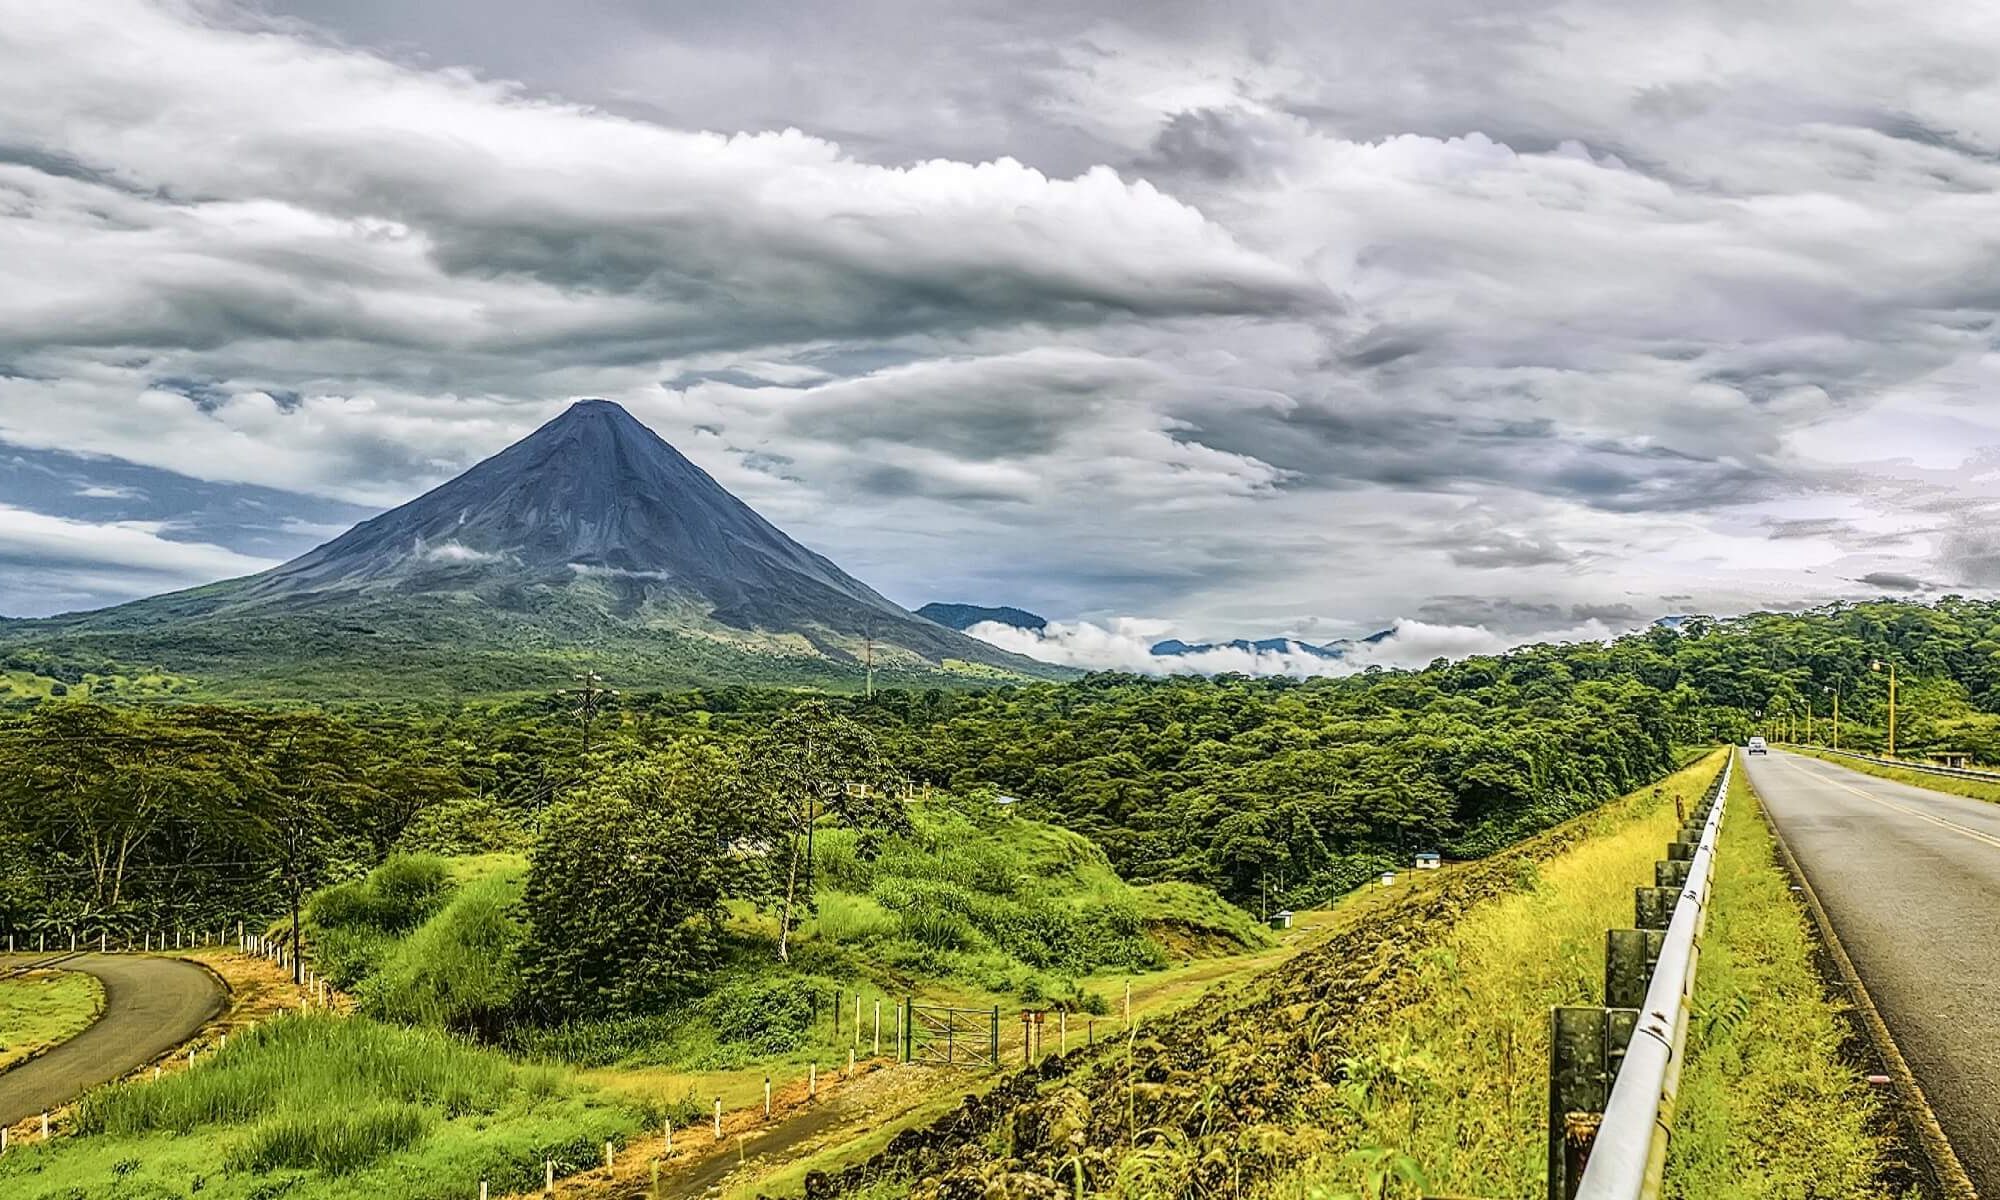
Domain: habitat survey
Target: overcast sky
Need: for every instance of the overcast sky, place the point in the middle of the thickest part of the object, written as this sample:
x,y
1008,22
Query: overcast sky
x,y
1498,317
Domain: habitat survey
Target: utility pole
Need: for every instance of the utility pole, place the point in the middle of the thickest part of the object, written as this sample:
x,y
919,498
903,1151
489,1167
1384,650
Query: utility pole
x,y
869,651
1877,665
587,701
1836,716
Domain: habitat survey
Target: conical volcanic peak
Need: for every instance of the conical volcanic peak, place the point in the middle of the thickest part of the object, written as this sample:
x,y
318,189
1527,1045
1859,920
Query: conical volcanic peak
x,y
590,535
592,493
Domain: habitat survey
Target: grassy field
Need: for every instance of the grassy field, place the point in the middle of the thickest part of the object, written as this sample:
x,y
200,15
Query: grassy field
x,y
1768,1110
317,1107
1956,785
1450,1089
1447,1085
39,1010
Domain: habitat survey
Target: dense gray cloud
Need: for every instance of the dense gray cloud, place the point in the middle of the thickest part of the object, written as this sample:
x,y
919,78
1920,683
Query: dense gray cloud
x,y
1507,320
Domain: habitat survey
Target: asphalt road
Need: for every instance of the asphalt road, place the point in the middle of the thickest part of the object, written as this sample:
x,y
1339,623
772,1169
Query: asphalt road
x,y
151,1005
1910,879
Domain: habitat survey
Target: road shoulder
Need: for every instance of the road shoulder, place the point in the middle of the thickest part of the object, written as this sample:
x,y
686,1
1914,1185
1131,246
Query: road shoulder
x,y
1928,1149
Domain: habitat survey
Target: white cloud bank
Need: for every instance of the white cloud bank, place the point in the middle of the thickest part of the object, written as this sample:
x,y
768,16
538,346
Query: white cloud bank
x,y
1229,312
51,563
1125,644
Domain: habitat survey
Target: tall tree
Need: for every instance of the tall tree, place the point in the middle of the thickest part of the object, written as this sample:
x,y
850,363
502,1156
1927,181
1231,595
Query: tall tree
x,y
627,880
812,763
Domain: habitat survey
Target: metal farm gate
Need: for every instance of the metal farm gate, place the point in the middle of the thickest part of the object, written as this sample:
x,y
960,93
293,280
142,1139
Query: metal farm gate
x,y
952,1037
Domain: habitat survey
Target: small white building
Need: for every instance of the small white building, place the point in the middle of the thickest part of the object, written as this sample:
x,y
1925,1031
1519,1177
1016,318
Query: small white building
x,y
1388,879
1282,919
1428,860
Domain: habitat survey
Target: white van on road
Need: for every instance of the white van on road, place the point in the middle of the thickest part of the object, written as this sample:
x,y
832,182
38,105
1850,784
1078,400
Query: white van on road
x,y
1756,746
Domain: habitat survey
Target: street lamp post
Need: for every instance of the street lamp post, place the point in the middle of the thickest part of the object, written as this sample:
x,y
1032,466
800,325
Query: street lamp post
x,y
1836,716
1877,665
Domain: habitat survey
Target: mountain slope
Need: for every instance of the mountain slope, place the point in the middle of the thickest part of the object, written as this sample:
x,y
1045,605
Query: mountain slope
x,y
591,540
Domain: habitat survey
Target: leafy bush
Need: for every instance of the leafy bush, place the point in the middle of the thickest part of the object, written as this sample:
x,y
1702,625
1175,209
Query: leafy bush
x,y
350,927
742,1019
461,969
624,897
763,1017
937,928
465,825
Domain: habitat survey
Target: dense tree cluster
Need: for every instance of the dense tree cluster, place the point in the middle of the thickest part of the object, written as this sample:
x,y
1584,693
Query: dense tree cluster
x,y
148,815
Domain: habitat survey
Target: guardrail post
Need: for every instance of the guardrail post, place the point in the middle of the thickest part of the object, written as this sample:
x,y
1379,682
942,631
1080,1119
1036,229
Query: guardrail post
x,y
1671,873
1653,907
1585,1048
1629,958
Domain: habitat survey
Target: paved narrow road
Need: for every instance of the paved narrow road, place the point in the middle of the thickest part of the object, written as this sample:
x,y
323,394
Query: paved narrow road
x,y
151,1005
1911,881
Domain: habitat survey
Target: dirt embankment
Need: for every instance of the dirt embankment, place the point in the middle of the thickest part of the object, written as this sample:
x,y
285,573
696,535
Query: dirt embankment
x,y
1208,1103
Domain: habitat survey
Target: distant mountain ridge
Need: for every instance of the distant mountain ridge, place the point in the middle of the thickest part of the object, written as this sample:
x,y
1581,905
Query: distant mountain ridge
x,y
965,616
590,540
1176,648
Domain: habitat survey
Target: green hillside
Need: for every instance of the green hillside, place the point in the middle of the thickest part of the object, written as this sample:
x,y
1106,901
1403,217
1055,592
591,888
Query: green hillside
x,y
434,647
970,902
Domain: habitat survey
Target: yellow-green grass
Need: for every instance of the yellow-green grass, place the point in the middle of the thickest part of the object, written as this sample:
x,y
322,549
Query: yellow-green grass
x,y
1957,785
1156,996
319,1107
1768,1110
38,1011
1447,1082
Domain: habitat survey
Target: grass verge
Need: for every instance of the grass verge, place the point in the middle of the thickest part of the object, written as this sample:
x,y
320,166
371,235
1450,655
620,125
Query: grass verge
x,y
1259,1088
1956,785
1444,1089
317,1107
39,1010
1768,1109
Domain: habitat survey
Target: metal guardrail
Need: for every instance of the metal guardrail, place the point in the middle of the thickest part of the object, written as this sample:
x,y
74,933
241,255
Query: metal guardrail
x,y
1615,1071
1908,765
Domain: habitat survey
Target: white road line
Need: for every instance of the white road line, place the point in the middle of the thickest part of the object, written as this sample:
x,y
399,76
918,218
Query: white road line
x,y
1954,826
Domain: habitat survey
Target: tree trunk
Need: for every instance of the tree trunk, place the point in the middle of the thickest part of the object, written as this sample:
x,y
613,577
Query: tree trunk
x,y
785,917
298,967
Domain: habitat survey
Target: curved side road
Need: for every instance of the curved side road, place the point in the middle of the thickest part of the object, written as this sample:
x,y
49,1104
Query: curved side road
x,y
151,1005
1909,879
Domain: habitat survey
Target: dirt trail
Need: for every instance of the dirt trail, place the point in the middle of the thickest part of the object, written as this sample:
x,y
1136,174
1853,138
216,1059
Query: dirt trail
x,y
701,1163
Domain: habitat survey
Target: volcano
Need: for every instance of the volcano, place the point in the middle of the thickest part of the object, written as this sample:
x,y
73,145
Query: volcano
x,y
590,542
